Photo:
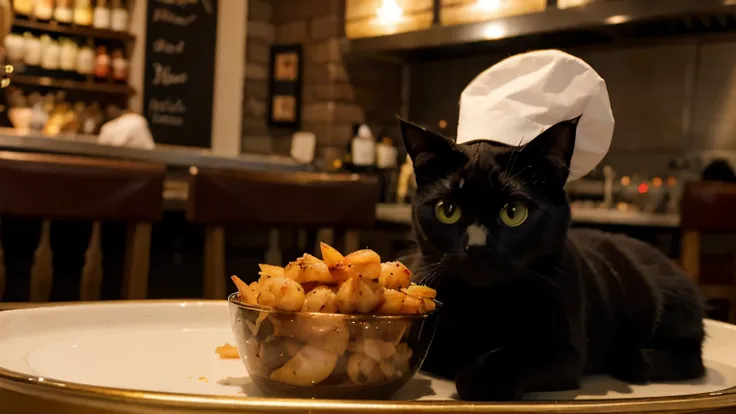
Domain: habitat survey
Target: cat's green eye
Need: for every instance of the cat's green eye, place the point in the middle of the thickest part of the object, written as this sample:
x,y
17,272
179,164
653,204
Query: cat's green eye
x,y
447,212
513,214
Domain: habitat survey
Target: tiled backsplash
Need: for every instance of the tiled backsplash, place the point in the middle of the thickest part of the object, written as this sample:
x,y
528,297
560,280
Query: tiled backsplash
x,y
669,99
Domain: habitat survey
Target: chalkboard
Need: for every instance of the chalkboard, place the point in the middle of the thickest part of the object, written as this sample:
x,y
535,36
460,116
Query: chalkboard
x,y
180,70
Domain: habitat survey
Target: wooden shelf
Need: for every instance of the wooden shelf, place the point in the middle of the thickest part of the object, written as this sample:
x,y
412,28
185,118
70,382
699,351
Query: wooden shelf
x,y
71,85
54,27
603,18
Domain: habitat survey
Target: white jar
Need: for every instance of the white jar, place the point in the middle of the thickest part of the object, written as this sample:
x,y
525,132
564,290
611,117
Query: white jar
x,y
119,19
50,54
86,61
44,9
68,55
32,50
14,47
101,16
63,12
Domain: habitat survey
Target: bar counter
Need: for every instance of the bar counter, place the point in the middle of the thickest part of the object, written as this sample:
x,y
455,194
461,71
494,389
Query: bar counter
x,y
171,155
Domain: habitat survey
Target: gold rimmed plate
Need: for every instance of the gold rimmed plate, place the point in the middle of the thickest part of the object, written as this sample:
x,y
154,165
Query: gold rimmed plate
x,y
125,357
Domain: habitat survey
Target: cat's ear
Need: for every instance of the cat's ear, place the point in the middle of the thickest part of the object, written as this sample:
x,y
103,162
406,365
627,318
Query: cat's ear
x,y
432,153
555,147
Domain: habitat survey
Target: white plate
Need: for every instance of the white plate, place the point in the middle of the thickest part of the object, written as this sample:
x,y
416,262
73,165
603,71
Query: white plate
x,y
169,347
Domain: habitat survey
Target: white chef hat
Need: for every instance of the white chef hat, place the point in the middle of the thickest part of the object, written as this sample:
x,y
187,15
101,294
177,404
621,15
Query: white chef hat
x,y
520,97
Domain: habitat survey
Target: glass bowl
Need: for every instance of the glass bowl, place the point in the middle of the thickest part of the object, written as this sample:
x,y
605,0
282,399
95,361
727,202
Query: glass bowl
x,y
326,355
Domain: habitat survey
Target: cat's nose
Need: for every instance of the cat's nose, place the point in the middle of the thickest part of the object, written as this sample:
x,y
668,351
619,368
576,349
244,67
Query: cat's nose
x,y
476,238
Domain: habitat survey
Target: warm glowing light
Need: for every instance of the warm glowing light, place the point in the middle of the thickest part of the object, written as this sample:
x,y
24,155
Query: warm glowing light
x,y
442,124
671,181
617,19
643,188
657,181
389,12
494,31
625,180
488,5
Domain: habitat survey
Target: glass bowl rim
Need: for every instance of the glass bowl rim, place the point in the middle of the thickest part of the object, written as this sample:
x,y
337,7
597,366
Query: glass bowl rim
x,y
233,300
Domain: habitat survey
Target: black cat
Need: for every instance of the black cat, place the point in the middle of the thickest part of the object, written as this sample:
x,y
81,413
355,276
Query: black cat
x,y
529,304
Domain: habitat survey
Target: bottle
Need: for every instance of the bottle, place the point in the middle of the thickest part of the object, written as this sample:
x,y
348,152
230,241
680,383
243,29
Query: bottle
x,y
102,63
32,52
23,7
119,66
363,150
63,12
85,61
119,16
44,9
101,19
68,55
50,53
82,13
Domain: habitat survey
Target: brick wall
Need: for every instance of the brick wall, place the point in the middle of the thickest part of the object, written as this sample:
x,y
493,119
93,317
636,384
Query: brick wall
x,y
260,32
336,92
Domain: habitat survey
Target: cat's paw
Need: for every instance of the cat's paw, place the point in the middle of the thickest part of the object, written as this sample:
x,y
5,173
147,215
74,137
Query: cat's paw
x,y
632,367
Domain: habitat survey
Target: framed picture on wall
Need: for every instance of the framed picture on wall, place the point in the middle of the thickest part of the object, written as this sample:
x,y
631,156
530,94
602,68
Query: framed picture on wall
x,y
285,86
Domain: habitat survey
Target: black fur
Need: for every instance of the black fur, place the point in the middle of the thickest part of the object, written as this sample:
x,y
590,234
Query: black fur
x,y
539,305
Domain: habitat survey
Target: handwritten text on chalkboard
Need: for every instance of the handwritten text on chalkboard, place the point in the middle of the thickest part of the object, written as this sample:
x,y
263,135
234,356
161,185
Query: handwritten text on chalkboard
x,y
180,46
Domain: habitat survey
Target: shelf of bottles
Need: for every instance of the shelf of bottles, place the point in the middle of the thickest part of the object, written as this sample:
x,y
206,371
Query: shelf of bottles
x,y
373,18
70,61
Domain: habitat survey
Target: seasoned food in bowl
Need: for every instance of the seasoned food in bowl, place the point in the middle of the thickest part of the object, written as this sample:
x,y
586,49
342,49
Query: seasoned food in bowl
x,y
342,327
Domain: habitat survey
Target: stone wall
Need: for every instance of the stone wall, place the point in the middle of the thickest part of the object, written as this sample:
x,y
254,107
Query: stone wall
x,y
337,93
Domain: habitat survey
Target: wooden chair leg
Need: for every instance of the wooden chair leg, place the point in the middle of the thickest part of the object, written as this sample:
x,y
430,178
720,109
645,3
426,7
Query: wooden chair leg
x,y
91,285
352,241
3,279
42,270
274,255
137,260
214,263
691,254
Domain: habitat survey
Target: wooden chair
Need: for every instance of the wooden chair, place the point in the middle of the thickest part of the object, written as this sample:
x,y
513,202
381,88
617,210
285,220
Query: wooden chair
x,y
294,200
56,187
708,207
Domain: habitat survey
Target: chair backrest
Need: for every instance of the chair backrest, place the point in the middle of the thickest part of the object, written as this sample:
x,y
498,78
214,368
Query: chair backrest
x,y
707,207
65,187
282,199
50,187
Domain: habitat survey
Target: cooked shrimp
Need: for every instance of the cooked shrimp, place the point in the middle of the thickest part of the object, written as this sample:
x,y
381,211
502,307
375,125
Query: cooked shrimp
x,y
394,275
309,367
247,294
320,299
308,269
330,255
400,360
420,291
363,369
375,348
364,264
329,334
281,293
269,271
388,370
412,305
359,295
392,302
